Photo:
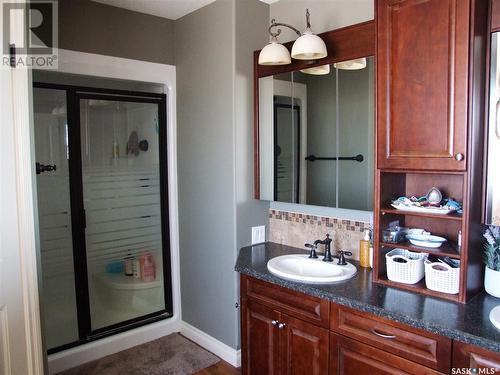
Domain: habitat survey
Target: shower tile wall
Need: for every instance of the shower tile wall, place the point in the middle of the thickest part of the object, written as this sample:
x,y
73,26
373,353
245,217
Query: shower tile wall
x,y
296,229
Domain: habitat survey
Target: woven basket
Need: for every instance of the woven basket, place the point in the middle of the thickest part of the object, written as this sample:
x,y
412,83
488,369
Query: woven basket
x,y
441,277
410,268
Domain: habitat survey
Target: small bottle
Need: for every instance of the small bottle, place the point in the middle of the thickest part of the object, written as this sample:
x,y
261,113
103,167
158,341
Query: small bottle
x,y
128,265
148,269
136,268
115,150
364,250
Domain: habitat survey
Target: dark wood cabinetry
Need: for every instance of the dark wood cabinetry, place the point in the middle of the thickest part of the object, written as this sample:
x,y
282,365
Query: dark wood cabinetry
x,y
469,356
418,346
304,348
431,60
260,339
351,357
422,83
277,342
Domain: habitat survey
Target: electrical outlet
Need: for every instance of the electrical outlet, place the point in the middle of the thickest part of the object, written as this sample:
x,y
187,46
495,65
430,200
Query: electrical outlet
x,y
258,234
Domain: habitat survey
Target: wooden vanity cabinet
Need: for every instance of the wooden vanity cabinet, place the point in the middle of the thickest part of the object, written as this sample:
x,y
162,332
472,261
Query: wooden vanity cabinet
x,y
260,339
422,83
275,338
470,356
288,332
413,344
351,357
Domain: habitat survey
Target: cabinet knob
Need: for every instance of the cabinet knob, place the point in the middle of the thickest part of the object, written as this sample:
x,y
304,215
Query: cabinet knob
x,y
281,325
274,322
459,157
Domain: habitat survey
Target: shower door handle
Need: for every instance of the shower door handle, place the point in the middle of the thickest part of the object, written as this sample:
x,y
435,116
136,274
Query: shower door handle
x,y
40,168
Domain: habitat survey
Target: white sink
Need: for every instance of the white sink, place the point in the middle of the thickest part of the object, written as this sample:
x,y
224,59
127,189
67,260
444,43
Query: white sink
x,y
299,267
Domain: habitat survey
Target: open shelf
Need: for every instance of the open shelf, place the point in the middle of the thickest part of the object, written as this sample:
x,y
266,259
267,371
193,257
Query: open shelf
x,y
447,249
393,211
419,288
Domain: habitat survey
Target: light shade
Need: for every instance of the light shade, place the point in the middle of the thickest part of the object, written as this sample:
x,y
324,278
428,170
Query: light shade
x,y
274,54
355,64
309,47
317,70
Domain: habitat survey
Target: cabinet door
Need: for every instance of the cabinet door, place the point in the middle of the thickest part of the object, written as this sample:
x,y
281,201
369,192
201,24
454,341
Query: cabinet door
x,y
304,347
422,83
351,357
469,356
259,339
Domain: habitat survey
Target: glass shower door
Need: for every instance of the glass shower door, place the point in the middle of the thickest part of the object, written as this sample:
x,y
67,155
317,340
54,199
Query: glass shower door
x,y
54,217
120,156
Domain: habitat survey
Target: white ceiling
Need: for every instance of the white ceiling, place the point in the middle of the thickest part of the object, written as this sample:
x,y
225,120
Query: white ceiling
x,y
171,9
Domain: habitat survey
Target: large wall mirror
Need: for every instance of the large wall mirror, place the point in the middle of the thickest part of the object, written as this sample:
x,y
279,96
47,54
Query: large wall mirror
x,y
493,154
316,131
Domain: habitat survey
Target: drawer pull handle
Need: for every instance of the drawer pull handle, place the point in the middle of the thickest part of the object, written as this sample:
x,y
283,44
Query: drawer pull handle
x,y
274,322
281,325
375,332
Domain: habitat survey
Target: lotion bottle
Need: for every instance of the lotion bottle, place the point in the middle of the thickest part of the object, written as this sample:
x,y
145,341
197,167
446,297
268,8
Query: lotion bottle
x,y
364,250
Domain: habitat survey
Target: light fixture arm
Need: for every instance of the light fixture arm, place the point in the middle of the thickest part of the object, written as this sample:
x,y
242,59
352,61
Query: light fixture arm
x,y
278,31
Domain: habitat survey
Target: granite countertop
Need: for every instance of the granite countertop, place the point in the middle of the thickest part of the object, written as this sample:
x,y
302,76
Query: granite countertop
x,y
468,323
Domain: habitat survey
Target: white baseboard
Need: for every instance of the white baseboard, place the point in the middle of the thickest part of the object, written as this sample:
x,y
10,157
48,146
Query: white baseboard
x,y
100,348
221,350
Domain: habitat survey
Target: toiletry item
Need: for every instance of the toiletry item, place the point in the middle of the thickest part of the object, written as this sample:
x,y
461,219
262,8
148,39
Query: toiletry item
x,y
114,267
128,265
115,151
148,268
364,250
136,268
459,240
371,256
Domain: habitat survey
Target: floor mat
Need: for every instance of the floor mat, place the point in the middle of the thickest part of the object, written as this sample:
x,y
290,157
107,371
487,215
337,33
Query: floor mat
x,y
169,355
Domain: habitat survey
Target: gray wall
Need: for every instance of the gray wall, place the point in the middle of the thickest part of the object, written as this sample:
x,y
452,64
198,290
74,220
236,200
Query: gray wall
x,y
214,101
252,21
92,27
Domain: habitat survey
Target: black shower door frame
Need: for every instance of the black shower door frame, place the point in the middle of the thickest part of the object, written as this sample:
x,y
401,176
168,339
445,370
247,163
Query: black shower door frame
x,y
74,94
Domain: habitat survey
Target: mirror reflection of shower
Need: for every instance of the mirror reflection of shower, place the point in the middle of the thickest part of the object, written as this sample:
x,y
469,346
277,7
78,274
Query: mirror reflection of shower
x,y
323,144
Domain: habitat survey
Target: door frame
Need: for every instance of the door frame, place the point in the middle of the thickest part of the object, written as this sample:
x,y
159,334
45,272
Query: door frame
x,y
21,348
101,66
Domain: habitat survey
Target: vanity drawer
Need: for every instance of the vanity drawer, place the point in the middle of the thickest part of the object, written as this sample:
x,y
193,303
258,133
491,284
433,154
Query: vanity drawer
x,y
311,309
416,345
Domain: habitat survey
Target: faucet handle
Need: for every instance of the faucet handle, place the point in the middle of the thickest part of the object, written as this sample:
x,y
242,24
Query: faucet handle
x,y
312,248
341,256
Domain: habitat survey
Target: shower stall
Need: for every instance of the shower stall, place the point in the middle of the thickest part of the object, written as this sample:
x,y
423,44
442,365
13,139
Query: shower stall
x,y
101,175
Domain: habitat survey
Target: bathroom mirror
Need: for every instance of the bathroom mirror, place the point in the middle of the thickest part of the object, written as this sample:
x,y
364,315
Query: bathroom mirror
x,y
492,211
317,135
314,125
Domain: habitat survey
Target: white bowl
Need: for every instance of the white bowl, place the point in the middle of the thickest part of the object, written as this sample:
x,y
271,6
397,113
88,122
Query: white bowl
x,y
425,240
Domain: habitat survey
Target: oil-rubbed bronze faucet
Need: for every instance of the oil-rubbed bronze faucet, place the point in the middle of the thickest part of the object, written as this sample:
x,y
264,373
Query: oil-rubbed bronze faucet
x,y
327,242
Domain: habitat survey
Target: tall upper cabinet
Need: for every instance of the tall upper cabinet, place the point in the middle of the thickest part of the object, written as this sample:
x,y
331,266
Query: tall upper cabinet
x,y
431,59
423,75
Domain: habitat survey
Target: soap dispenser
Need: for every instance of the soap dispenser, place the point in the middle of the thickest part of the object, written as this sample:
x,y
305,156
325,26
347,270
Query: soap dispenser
x,y
364,250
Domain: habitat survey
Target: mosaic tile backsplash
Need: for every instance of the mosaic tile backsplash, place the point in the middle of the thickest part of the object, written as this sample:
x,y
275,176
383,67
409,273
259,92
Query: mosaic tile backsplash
x,y
296,229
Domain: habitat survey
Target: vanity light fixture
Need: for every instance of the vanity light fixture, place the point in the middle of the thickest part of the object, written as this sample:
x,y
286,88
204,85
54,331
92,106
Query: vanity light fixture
x,y
355,64
308,46
317,70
